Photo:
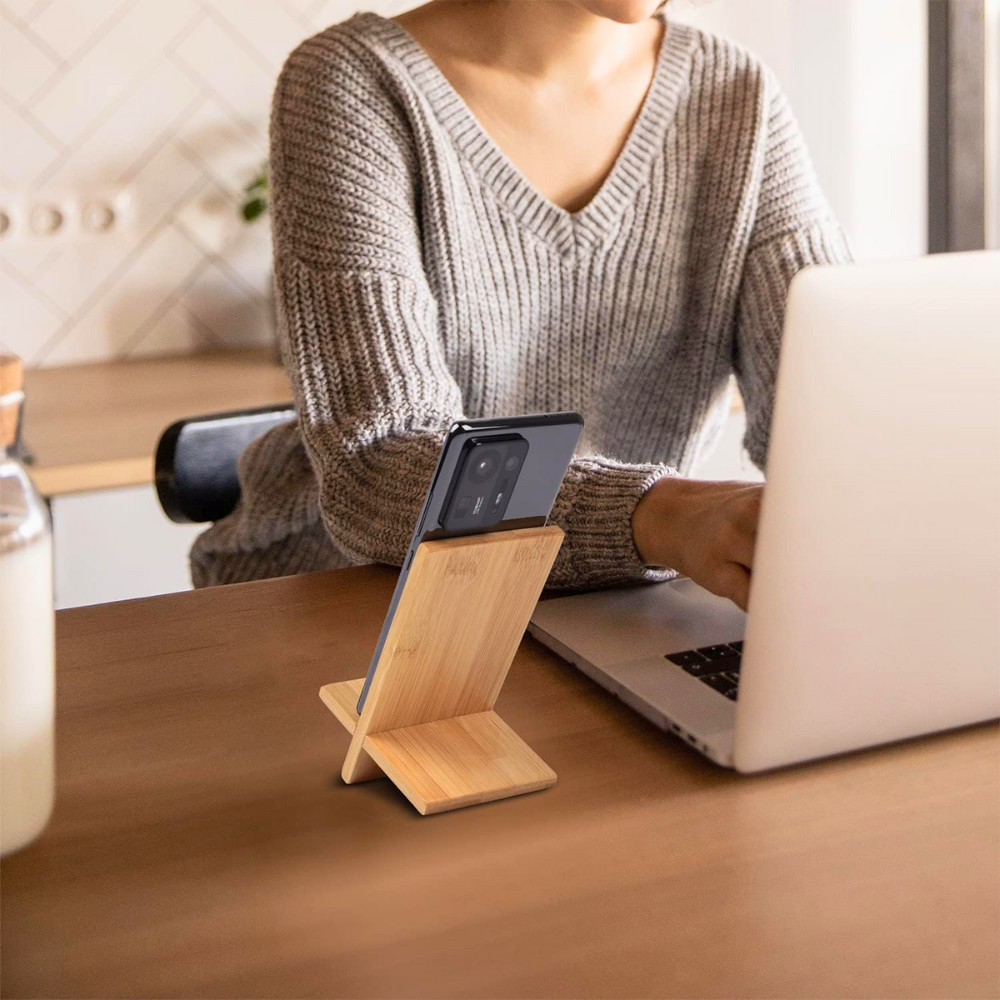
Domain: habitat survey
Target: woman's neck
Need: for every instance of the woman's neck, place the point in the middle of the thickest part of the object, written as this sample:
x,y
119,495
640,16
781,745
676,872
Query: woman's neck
x,y
544,39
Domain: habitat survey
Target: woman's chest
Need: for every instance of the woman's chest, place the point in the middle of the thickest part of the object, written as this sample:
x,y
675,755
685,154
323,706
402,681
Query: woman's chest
x,y
522,323
622,286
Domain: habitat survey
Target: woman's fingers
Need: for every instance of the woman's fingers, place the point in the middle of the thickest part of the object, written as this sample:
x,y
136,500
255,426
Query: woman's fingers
x,y
734,583
739,545
737,540
749,511
704,530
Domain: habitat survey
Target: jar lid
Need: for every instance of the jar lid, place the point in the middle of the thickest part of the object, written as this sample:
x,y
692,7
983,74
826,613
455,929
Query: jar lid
x,y
11,397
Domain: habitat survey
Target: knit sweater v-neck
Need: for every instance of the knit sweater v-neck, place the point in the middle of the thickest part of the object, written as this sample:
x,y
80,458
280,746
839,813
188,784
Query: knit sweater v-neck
x,y
422,278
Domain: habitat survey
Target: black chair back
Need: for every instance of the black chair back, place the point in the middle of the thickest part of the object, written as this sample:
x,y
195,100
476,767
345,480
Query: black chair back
x,y
196,461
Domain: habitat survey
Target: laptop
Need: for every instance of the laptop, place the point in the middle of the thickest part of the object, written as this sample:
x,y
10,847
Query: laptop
x,y
874,611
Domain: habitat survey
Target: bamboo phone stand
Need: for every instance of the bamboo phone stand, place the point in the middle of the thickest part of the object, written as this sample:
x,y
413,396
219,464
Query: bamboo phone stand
x,y
428,722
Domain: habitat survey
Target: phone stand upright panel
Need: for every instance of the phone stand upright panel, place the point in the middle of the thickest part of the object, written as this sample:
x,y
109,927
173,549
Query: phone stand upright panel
x,y
428,722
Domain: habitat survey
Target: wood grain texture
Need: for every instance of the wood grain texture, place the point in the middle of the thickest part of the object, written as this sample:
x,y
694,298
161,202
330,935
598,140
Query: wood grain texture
x,y
203,845
459,621
459,762
342,699
94,427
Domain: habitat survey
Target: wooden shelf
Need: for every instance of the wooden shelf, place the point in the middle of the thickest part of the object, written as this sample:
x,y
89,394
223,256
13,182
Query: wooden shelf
x,y
95,427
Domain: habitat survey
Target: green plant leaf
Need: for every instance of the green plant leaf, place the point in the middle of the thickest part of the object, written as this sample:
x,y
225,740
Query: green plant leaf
x,y
254,209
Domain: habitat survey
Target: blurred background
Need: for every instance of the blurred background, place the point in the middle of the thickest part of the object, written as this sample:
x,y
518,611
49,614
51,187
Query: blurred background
x,y
131,131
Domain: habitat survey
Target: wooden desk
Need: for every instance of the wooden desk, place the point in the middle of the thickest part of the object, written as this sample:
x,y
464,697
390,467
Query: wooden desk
x,y
95,427
203,844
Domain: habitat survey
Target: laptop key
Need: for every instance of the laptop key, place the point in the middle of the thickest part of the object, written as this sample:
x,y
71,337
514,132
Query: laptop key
x,y
732,676
718,682
716,652
724,664
732,694
738,645
702,669
689,658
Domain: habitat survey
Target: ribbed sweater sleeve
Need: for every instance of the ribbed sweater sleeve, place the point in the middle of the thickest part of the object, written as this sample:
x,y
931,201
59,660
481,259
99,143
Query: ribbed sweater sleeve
x,y
359,322
793,228
357,318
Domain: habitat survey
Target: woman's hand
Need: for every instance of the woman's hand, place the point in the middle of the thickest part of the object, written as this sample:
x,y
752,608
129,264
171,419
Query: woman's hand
x,y
704,530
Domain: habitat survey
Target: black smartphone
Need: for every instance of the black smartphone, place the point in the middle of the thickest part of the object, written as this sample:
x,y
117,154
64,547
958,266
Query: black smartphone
x,y
492,475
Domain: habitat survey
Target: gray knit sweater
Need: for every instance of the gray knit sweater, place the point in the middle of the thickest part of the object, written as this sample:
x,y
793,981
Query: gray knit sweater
x,y
421,277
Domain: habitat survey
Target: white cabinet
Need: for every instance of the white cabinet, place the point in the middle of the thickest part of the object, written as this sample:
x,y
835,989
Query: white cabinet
x,y
117,544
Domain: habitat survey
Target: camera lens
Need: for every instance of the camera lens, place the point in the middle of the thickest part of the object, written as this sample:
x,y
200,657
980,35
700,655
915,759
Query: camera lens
x,y
484,466
512,463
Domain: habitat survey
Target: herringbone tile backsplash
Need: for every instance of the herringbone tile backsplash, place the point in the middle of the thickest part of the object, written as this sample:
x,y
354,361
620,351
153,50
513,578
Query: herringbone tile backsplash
x,y
130,128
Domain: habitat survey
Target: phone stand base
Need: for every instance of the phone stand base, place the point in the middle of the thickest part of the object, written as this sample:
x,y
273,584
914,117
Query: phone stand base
x,y
428,722
449,763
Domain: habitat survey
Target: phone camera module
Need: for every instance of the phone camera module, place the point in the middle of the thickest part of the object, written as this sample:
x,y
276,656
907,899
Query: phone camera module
x,y
485,483
484,466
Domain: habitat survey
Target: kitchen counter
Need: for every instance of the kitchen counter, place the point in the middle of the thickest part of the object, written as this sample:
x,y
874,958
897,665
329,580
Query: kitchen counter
x,y
95,427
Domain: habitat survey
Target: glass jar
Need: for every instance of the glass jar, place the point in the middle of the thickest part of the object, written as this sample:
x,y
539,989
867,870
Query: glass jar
x,y
27,641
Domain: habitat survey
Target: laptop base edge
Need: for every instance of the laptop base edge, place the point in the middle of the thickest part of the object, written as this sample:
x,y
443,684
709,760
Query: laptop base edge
x,y
712,741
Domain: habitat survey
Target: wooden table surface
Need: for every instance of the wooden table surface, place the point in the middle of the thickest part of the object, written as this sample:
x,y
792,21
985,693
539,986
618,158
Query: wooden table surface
x,y
203,844
95,427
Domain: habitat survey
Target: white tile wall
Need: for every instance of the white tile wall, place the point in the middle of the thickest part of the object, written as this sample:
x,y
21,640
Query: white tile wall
x,y
166,101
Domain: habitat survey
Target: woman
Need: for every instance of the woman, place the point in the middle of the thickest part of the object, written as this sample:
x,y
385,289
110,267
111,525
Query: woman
x,y
498,207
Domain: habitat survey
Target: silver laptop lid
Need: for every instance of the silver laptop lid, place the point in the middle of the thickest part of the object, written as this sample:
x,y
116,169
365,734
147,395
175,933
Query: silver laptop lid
x,y
875,604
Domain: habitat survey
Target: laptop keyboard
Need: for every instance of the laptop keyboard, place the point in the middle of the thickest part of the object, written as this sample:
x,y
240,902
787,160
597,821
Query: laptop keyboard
x,y
717,666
